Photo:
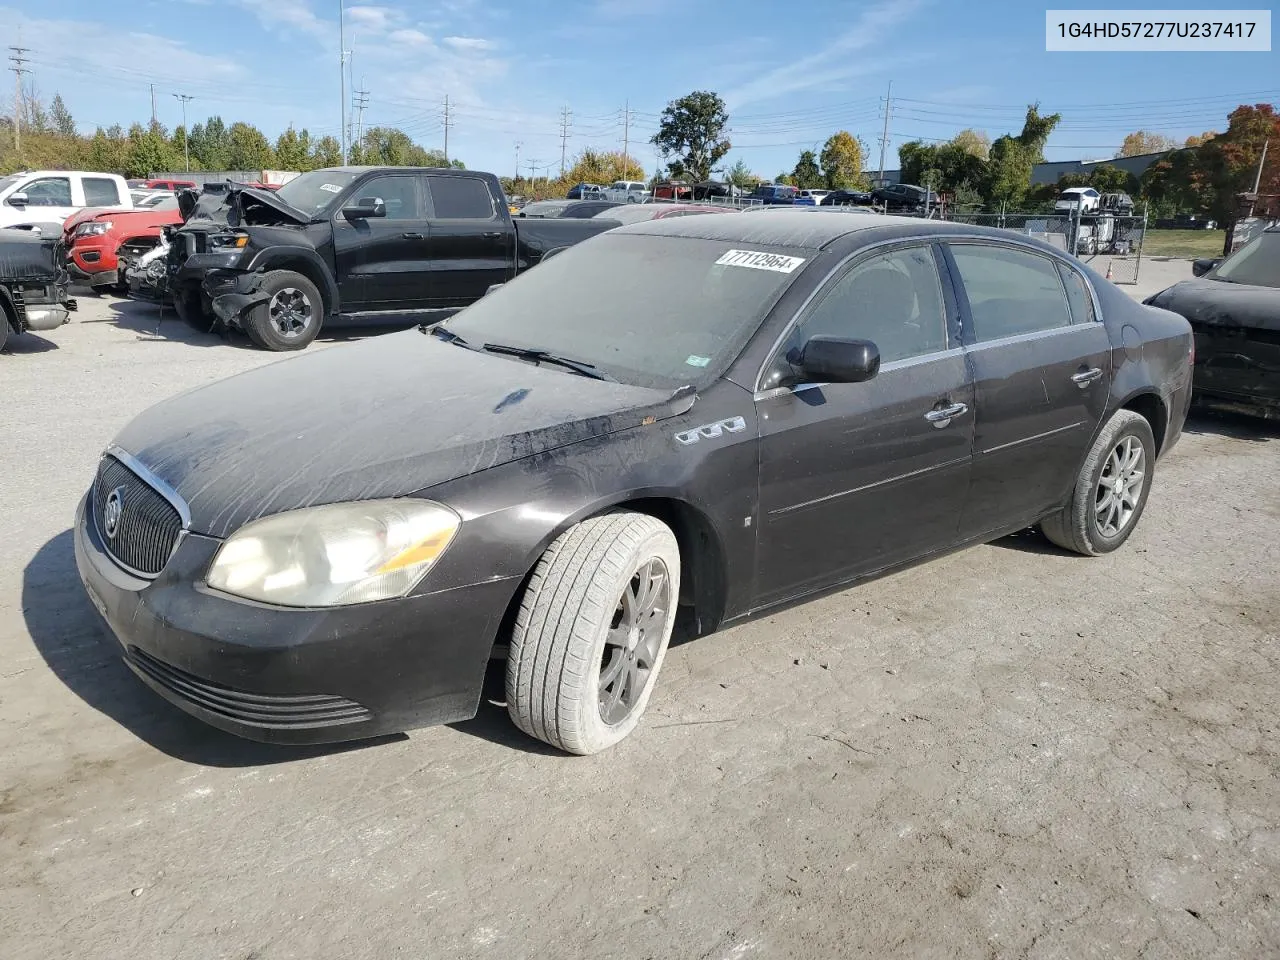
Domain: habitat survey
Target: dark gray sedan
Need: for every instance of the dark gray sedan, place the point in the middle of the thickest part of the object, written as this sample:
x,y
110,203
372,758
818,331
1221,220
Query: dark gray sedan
x,y
761,409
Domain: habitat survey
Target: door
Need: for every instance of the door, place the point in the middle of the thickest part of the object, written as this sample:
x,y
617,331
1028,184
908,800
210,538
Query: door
x,y
382,261
472,246
49,200
856,477
1041,364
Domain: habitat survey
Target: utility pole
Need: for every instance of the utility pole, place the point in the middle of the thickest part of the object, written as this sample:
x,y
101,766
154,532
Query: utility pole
x,y
448,122
1257,180
533,166
517,176
564,134
359,101
17,59
154,121
342,72
626,137
884,136
186,134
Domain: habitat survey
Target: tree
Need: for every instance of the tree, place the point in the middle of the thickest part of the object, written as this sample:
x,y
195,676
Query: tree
x,y
247,148
326,153
806,174
741,176
1140,142
1106,178
973,142
148,152
293,150
693,129
842,159
1010,161
60,117
592,166
1194,141
210,146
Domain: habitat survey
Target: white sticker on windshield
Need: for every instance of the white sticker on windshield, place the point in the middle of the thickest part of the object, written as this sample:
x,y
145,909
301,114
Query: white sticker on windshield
x,y
697,361
331,187
760,261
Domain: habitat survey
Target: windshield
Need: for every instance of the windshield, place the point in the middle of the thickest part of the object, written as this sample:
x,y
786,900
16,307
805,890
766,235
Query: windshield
x,y
9,181
314,192
713,298
1257,263
544,208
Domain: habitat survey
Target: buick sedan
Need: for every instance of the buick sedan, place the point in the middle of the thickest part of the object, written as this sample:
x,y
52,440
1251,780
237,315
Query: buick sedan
x,y
757,410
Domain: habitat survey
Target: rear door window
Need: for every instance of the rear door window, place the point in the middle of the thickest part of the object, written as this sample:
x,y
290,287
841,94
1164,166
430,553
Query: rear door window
x,y
1011,291
461,198
101,192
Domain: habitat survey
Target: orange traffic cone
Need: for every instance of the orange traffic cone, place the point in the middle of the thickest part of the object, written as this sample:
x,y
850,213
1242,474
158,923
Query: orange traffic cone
x,y
1108,270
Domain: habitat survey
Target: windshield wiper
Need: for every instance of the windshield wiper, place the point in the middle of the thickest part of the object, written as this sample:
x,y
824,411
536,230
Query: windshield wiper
x,y
542,356
445,334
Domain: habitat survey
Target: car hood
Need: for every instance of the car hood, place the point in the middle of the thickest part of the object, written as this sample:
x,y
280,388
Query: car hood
x,y
385,417
256,206
1218,303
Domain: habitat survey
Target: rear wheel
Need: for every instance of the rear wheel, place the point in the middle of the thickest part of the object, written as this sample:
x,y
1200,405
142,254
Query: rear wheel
x,y
291,317
1111,489
592,632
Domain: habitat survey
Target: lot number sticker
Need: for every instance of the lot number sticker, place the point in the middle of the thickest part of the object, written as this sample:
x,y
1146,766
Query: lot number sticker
x,y
760,261
331,187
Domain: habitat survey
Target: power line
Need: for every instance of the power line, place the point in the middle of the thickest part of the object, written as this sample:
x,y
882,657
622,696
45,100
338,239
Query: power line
x,y
626,136
18,60
564,134
448,122
359,101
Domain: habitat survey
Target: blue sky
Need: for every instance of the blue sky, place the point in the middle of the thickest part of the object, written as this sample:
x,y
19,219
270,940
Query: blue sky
x,y
790,76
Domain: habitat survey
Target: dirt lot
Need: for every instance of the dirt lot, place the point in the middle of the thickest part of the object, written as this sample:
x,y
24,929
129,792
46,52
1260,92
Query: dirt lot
x,y
1010,752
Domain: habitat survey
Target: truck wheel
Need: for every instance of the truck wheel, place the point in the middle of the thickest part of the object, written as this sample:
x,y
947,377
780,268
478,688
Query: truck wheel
x,y
291,317
190,310
592,631
1110,491
4,325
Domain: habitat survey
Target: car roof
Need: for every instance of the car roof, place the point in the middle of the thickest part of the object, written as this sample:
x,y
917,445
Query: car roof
x,y
790,228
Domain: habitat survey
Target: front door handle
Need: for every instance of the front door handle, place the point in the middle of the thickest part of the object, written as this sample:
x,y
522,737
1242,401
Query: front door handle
x,y
941,416
1086,377
492,234
412,236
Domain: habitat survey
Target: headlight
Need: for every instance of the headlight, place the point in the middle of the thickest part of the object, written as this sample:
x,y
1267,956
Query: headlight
x,y
94,228
229,241
334,555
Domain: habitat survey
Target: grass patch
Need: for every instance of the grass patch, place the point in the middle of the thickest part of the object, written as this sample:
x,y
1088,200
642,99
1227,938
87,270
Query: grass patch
x,y
1184,243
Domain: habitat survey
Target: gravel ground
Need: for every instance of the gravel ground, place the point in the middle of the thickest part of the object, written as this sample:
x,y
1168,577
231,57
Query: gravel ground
x,y
1009,752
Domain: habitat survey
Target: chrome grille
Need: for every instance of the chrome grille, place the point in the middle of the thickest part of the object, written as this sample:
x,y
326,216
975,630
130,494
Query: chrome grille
x,y
147,526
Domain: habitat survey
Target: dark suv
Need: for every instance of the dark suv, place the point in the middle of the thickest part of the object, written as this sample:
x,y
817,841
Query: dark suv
x,y
901,197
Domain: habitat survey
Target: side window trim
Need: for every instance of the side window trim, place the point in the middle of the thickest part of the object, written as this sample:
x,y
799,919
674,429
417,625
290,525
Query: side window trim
x,y
493,206
841,270
359,189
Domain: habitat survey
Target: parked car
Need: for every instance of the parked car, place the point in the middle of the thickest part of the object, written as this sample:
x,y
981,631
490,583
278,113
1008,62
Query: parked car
x,y
167,184
101,242
813,197
1087,199
627,191
551,474
1185,221
544,208
149,198
356,246
770,193
843,198
585,191
901,198
44,199
637,213
33,283
1233,305
582,209
712,189
672,190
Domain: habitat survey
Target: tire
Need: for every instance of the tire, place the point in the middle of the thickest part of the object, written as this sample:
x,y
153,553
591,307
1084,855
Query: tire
x,y
566,635
1085,524
189,307
291,318
4,325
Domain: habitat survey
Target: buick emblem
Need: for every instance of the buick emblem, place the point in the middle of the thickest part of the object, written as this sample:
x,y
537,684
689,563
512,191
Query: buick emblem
x,y
111,513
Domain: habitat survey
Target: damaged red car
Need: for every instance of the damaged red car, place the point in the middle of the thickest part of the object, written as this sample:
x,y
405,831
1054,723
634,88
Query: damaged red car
x,y
102,243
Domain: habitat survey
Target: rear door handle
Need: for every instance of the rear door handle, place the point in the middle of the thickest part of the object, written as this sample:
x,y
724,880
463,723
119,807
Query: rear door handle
x,y
942,416
412,236
1086,377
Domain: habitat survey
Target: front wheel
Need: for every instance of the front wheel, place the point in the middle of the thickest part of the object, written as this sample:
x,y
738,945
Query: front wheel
x,y
291,317
1111,489
592,631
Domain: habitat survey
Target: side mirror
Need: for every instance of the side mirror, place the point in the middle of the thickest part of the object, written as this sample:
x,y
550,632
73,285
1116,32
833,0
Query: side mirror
x,y
1203,265
833,360
365,208
18,200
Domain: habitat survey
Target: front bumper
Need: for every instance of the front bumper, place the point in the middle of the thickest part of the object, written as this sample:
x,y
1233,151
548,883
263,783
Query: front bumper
x,y
294,676
232,293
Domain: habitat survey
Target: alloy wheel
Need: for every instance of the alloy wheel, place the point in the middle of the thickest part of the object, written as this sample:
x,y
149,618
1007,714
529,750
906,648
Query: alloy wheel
x,y
1120,487
634,640
290,312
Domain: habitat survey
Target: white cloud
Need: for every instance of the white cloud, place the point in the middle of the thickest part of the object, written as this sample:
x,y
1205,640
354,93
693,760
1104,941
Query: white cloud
x,y
409,37
832,62
374,18
468,43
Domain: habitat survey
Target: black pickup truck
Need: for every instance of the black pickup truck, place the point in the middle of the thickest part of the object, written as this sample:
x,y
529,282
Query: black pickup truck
x,y
33,283
355,246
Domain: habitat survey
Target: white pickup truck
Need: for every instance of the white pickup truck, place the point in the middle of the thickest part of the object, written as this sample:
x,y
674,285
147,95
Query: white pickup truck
x,y
43,199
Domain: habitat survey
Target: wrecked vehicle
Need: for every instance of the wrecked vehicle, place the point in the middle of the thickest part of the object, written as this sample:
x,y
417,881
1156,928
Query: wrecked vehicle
x,y
102,243
337,546
356,246
1233,306
33,283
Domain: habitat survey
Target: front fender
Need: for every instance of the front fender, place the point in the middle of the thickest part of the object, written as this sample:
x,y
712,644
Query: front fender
x,y
304,260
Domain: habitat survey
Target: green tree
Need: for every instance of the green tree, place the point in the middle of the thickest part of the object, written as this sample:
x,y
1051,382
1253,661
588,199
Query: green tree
x,y
148,153
806,173
179,147
293,150
692,129
327,152
247,148
210,145
741,176
60,117
593,166
973,142
842,158
1106,178
1140,142
1009,164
